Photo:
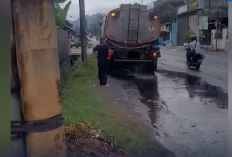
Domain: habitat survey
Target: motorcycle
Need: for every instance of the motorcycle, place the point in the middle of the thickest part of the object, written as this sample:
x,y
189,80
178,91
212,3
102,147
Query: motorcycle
x,y
195,60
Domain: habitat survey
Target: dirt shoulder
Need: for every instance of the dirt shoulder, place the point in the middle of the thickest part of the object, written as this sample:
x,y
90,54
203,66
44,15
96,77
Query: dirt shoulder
x,y
113,96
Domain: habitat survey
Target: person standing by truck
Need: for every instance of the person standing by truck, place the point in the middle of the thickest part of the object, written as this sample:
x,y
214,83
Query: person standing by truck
x,y
103,57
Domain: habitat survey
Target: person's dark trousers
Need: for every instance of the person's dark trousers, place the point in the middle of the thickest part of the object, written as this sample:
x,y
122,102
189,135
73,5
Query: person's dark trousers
x,y
102,72
190,55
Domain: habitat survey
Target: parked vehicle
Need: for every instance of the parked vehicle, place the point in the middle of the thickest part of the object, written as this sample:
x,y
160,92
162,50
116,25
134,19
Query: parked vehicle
x,y
132,31
75,43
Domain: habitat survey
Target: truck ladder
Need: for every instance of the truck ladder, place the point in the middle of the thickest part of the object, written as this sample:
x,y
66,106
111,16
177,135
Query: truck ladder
x,y
133,25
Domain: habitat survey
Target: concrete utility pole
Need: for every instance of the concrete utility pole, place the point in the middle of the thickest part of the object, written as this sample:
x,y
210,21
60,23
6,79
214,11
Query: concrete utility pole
x,y
95,29
209,16
217,19
83,32
209,8
18,148
230,78
38,71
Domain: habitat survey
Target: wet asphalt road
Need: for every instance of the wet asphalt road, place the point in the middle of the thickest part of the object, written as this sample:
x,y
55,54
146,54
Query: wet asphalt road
x,y
188,115
214,69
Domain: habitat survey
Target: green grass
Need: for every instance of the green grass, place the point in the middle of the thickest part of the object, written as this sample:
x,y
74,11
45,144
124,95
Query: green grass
x,y
82,103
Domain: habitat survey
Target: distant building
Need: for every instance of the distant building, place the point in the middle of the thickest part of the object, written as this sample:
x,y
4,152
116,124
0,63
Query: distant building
x,y
150,6
194,17
175,3
168,31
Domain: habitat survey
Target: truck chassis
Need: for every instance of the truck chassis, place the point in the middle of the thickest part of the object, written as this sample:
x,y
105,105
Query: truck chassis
x,y
148,58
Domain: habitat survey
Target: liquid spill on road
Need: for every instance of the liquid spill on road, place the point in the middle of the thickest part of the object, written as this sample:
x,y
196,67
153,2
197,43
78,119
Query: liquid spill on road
x,y
188,115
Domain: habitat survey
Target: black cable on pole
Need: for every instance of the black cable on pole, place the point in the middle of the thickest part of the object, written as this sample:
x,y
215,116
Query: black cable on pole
x,y
18,128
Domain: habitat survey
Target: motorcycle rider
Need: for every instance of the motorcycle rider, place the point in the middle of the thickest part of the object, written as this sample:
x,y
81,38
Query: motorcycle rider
x,y
193,48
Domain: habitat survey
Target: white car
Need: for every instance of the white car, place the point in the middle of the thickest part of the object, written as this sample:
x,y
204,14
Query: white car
x,y
75,43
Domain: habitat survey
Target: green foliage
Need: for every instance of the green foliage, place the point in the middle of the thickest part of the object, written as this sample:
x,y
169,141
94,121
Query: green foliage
x,y
94,29
59,1
187,36
60,14
93,23
166,12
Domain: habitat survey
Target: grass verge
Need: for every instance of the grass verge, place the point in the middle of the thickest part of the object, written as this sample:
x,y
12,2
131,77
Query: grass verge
x,y
82,104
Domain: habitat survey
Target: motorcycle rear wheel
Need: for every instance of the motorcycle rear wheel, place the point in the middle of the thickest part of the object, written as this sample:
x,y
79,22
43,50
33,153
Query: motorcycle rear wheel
x,y
198,67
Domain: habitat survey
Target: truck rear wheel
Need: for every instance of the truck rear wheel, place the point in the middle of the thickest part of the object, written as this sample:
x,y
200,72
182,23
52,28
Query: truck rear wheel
x,y
151,67
154,62
111,65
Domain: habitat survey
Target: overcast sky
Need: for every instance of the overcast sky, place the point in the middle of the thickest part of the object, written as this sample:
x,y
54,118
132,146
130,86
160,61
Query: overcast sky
x,y
95,6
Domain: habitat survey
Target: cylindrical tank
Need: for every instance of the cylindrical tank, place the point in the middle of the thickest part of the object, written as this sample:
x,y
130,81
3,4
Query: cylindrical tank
x,y
131,24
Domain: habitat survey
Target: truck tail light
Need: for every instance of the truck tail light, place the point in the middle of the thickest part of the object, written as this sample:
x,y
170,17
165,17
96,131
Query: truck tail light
x,y
111,52
152,16
114,14
154,54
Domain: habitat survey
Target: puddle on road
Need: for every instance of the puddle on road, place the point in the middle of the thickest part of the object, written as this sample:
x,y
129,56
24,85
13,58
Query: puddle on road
x,y
189,116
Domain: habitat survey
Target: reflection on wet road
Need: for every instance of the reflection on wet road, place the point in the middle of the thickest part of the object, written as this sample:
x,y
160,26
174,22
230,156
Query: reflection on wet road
x,y
188,115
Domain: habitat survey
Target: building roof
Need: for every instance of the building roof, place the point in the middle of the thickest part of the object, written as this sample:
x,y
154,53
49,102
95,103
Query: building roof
x,y
175,3
168,23
68,28
189,12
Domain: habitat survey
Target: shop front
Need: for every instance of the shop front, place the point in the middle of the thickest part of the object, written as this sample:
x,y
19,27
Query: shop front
x,y
165,30
168,32
187,20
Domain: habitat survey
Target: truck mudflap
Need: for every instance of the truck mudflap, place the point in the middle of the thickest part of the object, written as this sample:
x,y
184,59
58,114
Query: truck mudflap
x,y
133,60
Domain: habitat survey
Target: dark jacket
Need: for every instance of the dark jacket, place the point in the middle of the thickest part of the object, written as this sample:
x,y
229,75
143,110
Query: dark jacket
x,y
102,52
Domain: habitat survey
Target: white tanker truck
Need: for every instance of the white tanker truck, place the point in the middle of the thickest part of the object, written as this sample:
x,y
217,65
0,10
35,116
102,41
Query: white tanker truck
x,y
132,31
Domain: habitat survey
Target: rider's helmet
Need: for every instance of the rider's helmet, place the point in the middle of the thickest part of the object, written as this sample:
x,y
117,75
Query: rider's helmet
x,y
193,37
